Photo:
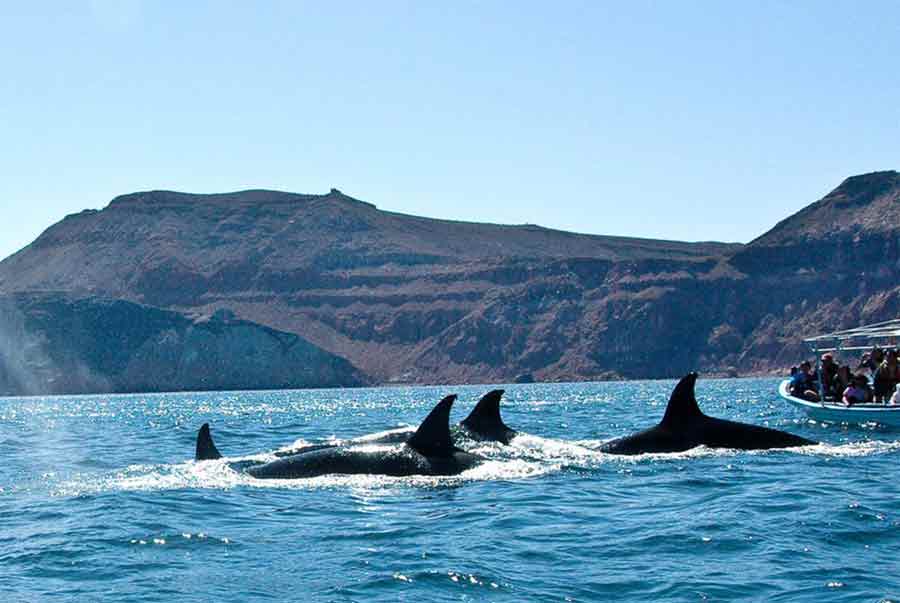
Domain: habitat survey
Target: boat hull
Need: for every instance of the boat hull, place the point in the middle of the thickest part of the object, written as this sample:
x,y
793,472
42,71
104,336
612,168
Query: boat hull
x,y
885,414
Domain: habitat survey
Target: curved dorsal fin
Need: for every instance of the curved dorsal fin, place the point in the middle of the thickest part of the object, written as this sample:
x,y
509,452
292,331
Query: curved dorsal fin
x,y
206,450
485,417
682,403
432,438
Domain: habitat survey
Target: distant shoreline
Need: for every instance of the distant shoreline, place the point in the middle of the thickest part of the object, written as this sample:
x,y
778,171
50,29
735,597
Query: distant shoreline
x,y
713,376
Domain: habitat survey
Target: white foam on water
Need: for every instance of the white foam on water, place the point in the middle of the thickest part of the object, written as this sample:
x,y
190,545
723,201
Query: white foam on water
x,y
552,450
699,452
405,429
191,474
527,456
333,440
847,449
851,449
300,443
219,475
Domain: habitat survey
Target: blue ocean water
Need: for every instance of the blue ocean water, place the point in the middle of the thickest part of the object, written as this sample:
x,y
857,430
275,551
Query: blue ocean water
x,y
100,500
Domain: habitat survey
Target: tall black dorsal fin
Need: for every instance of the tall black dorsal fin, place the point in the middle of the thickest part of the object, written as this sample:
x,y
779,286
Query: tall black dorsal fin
x,y
485,417
682,403
432,438
206,450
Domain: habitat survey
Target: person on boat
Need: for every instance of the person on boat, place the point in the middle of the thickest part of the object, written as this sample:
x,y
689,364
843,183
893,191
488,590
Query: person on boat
x,y
871,360
829,370
803,383
887,375
895,399
858,392
842,380
865,363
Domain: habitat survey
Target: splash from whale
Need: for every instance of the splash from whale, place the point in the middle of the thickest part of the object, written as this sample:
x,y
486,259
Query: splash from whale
x,y
429,451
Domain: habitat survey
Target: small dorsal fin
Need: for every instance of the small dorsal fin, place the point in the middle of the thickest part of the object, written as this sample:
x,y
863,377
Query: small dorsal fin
x,y
485,417
206,450
682,403
432,438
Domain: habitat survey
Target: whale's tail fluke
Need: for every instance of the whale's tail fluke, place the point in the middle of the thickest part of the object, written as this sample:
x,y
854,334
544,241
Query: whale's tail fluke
x,y
433,438
206,450
485,420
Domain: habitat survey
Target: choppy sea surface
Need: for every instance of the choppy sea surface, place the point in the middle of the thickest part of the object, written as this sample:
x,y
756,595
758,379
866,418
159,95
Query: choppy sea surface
x,y
100,500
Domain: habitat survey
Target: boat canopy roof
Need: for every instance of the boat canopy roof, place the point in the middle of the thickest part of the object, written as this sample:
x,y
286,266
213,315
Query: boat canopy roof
x,y
885,334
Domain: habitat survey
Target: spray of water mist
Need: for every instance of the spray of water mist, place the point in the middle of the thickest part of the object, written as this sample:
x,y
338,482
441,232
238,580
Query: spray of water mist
x,y
36,354
22,354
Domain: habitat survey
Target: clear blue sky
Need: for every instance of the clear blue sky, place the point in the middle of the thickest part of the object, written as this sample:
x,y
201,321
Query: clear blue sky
x,y
682,120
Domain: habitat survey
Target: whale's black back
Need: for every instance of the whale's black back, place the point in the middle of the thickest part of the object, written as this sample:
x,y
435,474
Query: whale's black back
x,y
684,427
430,451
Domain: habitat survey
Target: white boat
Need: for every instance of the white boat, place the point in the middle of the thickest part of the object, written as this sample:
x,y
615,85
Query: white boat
x,y
883,334
837,412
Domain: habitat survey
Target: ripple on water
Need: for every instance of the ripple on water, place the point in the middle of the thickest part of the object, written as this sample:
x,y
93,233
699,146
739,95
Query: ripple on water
x,y
99,496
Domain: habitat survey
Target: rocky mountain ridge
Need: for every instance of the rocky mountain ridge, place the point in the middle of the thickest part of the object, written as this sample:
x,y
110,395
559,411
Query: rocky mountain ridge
x,y
411,299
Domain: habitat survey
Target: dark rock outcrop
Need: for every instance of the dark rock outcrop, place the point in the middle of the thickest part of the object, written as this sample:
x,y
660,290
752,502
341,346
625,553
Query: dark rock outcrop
x,y
51,343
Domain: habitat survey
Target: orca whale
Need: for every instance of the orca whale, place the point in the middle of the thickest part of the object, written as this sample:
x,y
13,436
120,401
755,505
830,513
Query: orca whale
x,y
483,424
684,427
429,451
206,450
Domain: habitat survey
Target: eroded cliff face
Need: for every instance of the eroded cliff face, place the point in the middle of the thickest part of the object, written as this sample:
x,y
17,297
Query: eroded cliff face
x,y
833,265
53,343
410,299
